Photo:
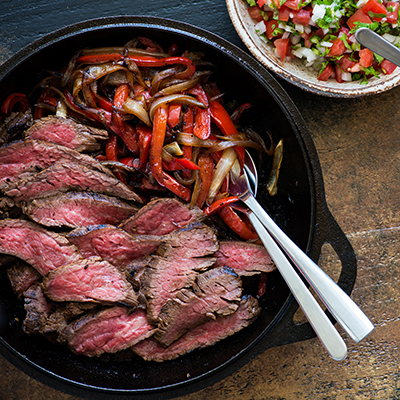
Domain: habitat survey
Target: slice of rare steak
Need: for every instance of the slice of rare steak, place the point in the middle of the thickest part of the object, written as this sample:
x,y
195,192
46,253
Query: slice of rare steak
x,y
113,244
67,177
19,159
216,292
78,209
107,331
90,280
203,335
42,249
160,217
22,276
244,258
66,132
177,264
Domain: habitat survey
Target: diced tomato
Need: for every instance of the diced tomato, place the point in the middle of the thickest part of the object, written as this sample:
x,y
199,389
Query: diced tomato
x,y
302,17
358,16
270,27
345,63
307,37
392,16
338,74
320,33
344,30
254,13
260,3
282,47
337,49
293,4
366,57
374,9
284,14
387,67
326,73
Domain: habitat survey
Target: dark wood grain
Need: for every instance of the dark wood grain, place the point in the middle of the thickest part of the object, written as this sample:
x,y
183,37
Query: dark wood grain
x,y
358,142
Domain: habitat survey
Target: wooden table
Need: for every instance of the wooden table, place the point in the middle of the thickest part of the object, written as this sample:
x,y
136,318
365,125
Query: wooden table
x,y
358,142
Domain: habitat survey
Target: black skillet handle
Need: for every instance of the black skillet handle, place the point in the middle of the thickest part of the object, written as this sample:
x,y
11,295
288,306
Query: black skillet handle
x,y
327,230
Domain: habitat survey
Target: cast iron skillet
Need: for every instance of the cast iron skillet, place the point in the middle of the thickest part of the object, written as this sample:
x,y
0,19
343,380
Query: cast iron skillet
x,y
300,209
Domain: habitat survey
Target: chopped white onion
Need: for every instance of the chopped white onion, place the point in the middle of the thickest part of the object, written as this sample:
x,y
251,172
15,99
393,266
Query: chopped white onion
x,y
299,28
390,38
260,28
294,39
346,76
326,44
285,35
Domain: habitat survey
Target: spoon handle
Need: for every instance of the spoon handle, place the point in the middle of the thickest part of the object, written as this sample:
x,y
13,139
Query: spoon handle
x,y
342,307
321,324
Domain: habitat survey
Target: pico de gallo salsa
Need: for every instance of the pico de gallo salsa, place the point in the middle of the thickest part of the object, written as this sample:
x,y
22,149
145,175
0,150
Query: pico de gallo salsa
x,y
321,34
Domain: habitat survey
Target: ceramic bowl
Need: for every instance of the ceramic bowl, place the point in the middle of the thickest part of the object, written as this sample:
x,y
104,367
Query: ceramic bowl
x,y
294,71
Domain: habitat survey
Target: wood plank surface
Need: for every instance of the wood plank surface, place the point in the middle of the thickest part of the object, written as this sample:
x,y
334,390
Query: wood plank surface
x,y
358,143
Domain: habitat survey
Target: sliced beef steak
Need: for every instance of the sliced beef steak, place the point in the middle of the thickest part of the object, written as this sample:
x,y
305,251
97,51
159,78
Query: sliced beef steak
x,y
244,258
215,293
177,265
78,209
63,314
66,132
113,244
19,159
160,217
91,280
67,177
22,276
203,335
107,331
42,249
37,310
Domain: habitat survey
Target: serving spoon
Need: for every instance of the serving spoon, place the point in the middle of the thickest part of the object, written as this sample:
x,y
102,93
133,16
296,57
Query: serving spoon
x,y
378,45
341,306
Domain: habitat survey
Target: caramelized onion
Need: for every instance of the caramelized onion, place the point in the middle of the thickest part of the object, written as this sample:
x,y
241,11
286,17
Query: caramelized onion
x,y
174,98
136,108
272,183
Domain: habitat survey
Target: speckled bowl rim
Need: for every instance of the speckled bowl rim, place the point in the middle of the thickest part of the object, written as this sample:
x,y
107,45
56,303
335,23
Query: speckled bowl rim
x,y
294,71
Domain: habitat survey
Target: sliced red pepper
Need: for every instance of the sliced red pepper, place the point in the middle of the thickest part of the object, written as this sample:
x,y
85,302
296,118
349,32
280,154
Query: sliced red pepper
x,y
177,164
112,148
174,114
239,111
12,100
206,165
237,224
175,187
187,122
202,116
130,138
157,142
224,122
144,144
120,96
218,204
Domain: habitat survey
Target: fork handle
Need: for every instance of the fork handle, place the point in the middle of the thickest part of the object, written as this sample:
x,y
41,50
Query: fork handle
x,y
341,306
321,324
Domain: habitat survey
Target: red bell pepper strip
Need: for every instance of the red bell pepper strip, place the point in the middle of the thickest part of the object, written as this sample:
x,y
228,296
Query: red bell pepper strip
x,y
239,111
130,138
144,144
12,100
143,61
206,164
218,204
120,95
224,122
175,187
157,142
177,164
174,114
237,224
187,127
112,148
202,116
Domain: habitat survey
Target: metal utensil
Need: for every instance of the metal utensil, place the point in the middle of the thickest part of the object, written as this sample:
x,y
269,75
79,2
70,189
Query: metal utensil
x,y
378,45
321,324
342,307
